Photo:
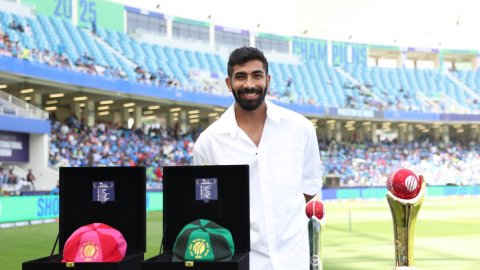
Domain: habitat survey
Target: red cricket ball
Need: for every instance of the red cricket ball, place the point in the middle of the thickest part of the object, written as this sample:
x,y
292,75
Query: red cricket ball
x,y
404,183
315,207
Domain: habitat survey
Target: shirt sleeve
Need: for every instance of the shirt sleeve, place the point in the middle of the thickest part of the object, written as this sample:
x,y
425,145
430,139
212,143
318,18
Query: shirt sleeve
x,y
312,166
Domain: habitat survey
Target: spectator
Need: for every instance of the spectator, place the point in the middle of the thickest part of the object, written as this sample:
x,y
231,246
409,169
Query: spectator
x,y
55,190
47,58
94,27
288,86
13,25
12,179
28,30
20,28
61,49
6,38
25,55
31,178
52,117
161,76
87,59
35,56
72,121
140,74
15,49
3,177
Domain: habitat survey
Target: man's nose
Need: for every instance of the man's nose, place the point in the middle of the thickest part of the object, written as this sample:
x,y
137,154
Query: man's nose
x,y
249,82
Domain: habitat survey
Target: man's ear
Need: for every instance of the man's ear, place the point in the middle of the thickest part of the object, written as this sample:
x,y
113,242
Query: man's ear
x,y
229,83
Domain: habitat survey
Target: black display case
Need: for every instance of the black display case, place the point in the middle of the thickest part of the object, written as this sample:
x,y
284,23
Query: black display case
x,y
82,201
227,204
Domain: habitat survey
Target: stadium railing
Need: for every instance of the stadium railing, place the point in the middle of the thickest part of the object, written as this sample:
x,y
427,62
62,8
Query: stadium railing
x,y
13,105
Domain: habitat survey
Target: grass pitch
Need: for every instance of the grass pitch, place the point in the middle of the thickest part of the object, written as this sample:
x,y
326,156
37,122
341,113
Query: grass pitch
x,y
358,235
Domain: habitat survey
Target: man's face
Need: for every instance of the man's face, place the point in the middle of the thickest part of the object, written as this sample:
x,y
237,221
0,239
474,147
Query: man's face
x,y
249,84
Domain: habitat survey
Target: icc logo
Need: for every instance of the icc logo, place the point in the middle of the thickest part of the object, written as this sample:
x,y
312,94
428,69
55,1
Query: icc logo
x,y
199,248
89,251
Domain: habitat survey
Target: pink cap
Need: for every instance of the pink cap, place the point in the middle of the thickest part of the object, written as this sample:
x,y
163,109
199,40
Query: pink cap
x,y
96,242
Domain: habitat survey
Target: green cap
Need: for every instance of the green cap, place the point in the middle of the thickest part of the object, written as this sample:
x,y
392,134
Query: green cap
x,y
203,240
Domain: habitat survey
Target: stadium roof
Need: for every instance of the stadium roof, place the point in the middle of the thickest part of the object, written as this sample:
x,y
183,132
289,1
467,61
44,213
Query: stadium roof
x,y
448,24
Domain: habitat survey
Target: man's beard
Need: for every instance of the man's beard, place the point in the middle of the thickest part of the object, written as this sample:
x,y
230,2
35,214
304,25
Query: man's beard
x,y
250,105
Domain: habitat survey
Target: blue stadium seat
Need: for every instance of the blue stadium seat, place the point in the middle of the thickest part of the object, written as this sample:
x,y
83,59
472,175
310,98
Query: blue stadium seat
x,y
317,80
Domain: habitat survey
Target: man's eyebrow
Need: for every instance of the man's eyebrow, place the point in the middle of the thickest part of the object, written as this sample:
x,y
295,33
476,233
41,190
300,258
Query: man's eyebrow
x,y
258,71
253,72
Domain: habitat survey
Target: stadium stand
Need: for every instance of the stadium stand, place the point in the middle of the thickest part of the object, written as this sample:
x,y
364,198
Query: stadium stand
x,y
76,145
163,64
369,164
416,85
117,55
356,163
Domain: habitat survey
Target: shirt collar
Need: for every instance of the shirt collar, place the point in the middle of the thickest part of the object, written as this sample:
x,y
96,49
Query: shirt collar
x,y
273,112
229,123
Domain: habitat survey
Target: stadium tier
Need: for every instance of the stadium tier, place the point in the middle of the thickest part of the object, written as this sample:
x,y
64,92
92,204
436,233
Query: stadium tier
x,y
75,145
116,54
355,164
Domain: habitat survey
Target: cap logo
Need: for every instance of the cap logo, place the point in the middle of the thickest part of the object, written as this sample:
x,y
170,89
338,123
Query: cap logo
x,y
199,248
103,191
89,250
206,189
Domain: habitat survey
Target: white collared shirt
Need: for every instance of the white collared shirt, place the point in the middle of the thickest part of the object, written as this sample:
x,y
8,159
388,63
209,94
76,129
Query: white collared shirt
x,y
284,166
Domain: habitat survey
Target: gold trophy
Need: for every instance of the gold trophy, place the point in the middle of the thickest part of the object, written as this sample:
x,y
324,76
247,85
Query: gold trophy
x,y
315,212
405,196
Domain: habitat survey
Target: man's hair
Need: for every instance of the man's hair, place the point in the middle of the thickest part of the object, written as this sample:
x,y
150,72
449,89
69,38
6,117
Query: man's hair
x,y
244,54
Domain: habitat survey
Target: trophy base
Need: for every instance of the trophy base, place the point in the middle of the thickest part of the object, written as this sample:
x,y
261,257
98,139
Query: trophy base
x,y
404,268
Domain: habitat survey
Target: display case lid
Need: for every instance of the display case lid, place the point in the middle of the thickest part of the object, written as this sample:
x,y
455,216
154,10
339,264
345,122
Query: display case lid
x,y
219,193
115,196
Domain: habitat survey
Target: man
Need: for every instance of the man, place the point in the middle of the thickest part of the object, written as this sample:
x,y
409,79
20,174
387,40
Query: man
x,y
31,178
282,150
12,178
3,177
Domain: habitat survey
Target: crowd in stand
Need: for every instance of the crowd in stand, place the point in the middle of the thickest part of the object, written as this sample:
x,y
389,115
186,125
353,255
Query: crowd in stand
x,y
356,163
288,95
369,164
9,178
158,77
19,27
85,63
364,100
12,184
74,144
